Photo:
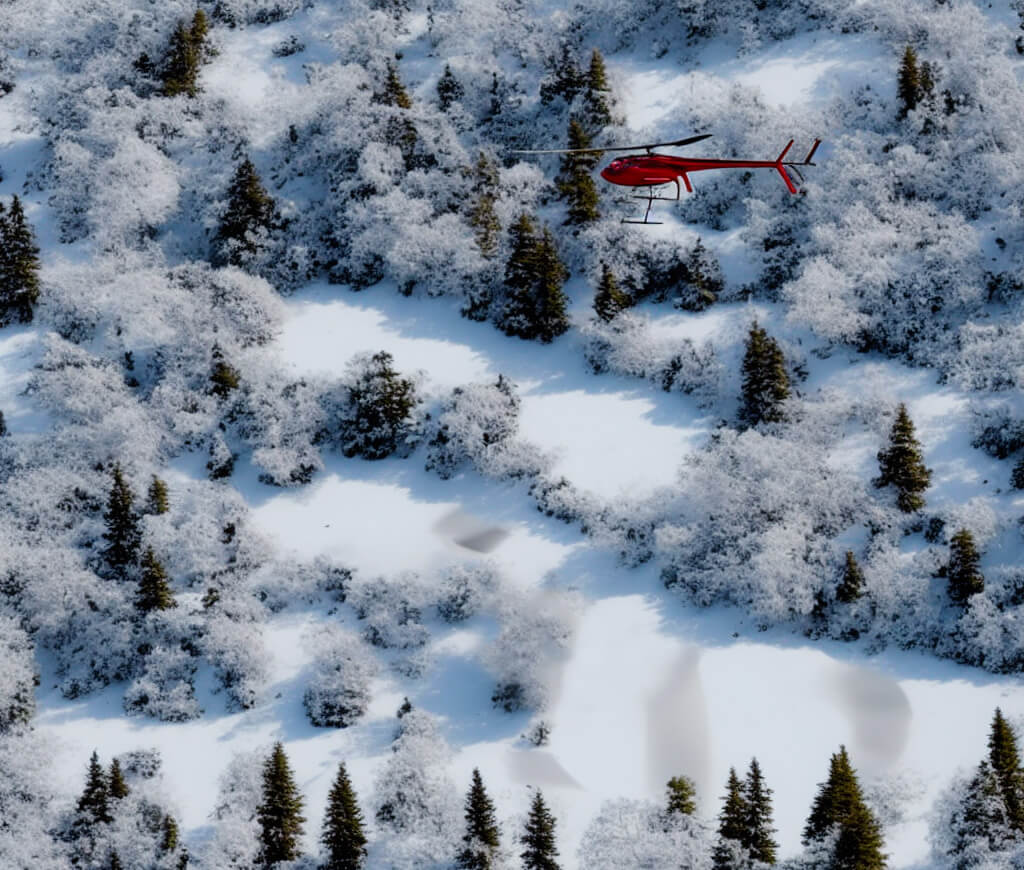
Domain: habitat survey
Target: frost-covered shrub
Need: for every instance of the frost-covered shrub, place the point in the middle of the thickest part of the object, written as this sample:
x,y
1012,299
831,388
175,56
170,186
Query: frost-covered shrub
x,y
631,833
27,806
235,13
165,687
234,646
17,675
463,589
236,830
339,688
392,609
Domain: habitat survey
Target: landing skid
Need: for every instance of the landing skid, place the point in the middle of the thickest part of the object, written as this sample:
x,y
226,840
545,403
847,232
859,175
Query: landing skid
x,y
651,198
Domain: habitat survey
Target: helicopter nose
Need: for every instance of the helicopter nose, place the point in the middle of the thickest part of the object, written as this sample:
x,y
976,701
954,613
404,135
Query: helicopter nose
x,y
608,174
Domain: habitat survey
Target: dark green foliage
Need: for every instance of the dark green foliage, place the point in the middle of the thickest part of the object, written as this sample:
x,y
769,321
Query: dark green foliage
x,y
597,111
484,219
964,577
19,266
902,465
123,535
168,834
758,834
909,82
393,93
575,182
851,586
449,89
156,499
765,381
117,787
1017,475
539,837
481,837
981,816
94,805
702,276
184,55
379,405
342,835
565,79
279,813
609,299
154,592
224,377
839,806
1004,758
535,306
681,796
248,218
404,708
732,823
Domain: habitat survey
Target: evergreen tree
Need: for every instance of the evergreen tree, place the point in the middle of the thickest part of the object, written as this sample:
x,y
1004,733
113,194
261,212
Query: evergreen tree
x,y
156,502
481,837
449,90
117,787
342,836
981,817
851,587
249,216
758,835
732,824
115,861
1004,759
19,266
154,592
704,277
394,92
575,182
535,306
596,97
681,797
94,804
765,382
609,299
902,465
908,88
964,577
123,535
378,408
279,813
484,219
224,377
565,80
1017,475
184,56
539,837
3,425
839,807
168,834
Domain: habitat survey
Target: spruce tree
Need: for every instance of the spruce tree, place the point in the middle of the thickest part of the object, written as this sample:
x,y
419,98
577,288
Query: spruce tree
x,y
449,90
342,836
596,97
224,377
908,88
704,277
123,535
481,837
565,80
19,266
839,807
378,410
535,306
539,837
758,835
609,299
765,381
982,816
484,219
1004,758
168,834
851,586
394,92
551,317
154,592
732,824
94,804
902,465
681,798
117,787
575,182
248,217
156,498
964,577
279,813
184,57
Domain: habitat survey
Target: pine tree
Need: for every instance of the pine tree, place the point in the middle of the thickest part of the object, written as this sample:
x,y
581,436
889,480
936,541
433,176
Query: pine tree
x,y
123,535
964,577
851,587
551,317
596,102
682,796
535,306
609,299
908,88
481,837
1017,475
575,182
224,377
839,806
484,219
704,277
342,835
117,787
1004,758
539,837
168,834
184,56
94,804
279,813
981,816
378,410
19,266
765,382
156,502
449,90
566,79
902,465
732,824
154,592
248,217
758,835
394,92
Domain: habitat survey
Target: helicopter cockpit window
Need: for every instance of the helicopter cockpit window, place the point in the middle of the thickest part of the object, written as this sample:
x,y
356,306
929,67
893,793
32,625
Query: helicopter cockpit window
x,y
616,164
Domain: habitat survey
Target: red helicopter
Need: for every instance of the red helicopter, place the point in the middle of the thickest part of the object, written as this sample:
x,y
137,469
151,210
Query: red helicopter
x,y
651,170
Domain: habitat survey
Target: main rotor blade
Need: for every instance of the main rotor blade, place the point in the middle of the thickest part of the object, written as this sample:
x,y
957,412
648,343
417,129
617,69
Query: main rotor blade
x,y
677,144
